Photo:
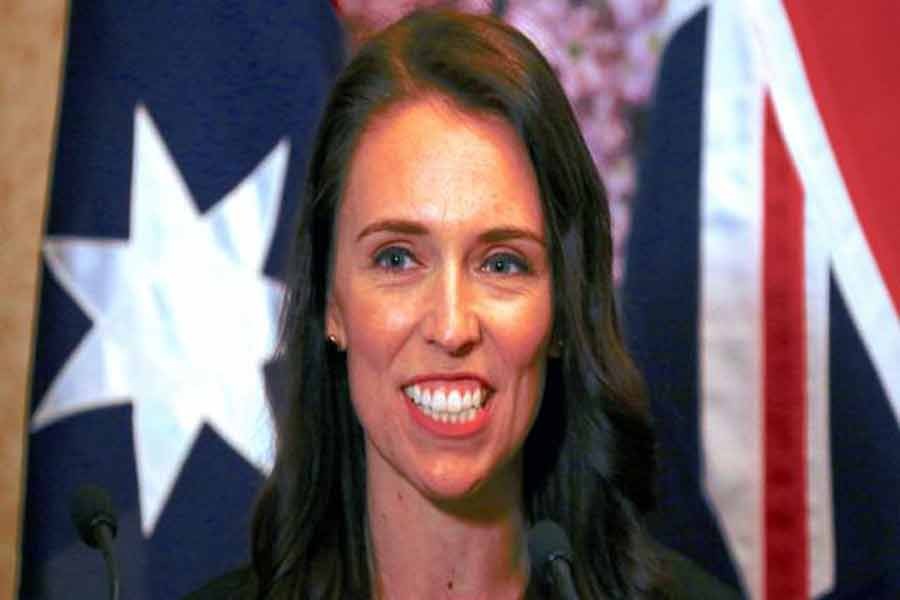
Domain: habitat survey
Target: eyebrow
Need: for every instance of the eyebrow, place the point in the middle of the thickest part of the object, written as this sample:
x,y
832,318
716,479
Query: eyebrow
x,y
502,234
494,235
393,226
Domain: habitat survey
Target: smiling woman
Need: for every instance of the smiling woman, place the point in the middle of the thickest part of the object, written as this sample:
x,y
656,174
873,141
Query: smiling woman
x,y
430,296
457,369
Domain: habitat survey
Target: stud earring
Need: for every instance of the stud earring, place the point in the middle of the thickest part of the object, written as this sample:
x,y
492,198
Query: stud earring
x,y
333,340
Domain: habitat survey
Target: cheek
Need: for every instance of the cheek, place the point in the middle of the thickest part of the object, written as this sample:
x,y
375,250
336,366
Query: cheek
x,y
376,328
377,324
524,336
523,329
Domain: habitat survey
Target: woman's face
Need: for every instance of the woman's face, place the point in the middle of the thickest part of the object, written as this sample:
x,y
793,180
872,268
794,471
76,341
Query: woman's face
x,y
441,294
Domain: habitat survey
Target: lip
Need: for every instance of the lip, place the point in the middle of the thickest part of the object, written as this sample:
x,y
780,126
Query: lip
x,y
449,377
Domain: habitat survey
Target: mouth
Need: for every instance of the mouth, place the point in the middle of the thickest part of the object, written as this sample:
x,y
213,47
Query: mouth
x,y
454,408
455,404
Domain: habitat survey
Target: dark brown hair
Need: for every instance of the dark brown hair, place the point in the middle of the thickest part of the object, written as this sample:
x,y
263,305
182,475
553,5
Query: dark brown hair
x,y
589,460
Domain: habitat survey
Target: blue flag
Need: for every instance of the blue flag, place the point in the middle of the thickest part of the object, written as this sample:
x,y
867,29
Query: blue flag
x,y
760,305
182,141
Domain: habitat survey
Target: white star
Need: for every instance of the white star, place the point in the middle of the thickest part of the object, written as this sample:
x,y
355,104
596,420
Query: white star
x,y
183,319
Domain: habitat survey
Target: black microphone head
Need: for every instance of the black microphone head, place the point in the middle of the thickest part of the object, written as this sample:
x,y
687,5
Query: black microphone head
x,y
91,506
546,542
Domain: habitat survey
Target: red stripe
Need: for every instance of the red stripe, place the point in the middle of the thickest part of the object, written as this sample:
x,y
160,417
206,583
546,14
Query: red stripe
x,y
786,561
851,58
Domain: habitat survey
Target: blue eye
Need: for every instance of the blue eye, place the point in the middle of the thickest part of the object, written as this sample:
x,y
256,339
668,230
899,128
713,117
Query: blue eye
x,y
394,258
504,263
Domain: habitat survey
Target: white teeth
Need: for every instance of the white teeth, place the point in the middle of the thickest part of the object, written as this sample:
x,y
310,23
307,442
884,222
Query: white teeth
x,y
412,393
447,407
439,400
454,401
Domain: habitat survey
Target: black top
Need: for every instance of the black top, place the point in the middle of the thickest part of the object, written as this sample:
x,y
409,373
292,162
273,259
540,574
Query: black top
x,y
240,584
684,581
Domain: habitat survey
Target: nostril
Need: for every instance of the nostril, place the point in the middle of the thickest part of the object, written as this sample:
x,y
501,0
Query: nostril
x,y
463,349
459,336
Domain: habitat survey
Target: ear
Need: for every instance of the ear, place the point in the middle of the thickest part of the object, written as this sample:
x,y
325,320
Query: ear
x,y
334,322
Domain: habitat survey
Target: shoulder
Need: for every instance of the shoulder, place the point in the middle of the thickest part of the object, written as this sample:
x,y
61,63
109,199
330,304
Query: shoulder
x,y
239,584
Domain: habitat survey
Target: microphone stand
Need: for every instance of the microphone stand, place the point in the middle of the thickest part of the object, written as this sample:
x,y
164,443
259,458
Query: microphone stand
x,y
559,571
104,542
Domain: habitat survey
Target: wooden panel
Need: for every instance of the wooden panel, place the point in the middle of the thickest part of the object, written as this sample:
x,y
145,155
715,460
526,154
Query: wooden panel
x,y
31,39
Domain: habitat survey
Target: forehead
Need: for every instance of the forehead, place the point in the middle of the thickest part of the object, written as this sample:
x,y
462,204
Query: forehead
x,y
429,161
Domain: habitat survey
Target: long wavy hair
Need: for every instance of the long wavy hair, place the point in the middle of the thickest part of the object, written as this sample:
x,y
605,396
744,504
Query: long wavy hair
x,y
589,459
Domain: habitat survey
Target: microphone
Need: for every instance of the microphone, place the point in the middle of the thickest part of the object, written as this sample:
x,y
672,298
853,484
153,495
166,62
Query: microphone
x,y
95,519
551,554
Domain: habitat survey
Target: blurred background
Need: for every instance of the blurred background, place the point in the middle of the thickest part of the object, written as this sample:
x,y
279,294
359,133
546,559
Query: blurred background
x,y
152,157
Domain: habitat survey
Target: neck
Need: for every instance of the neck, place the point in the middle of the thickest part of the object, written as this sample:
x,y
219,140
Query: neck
x,y
469,549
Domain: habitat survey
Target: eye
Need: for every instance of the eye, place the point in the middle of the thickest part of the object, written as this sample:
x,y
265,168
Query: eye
x,y
394,258
504,263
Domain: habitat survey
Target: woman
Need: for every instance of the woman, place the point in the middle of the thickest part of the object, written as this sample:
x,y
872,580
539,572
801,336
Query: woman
x,y
457,369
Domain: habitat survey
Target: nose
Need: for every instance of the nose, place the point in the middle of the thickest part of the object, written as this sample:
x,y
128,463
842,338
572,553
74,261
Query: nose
x,y
451,322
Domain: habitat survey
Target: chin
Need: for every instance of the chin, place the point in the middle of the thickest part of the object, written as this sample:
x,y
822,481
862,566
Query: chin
x,y
471,492
451,491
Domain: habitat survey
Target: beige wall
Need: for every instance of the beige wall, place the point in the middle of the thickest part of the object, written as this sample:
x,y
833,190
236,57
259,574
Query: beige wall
x,y
31,38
